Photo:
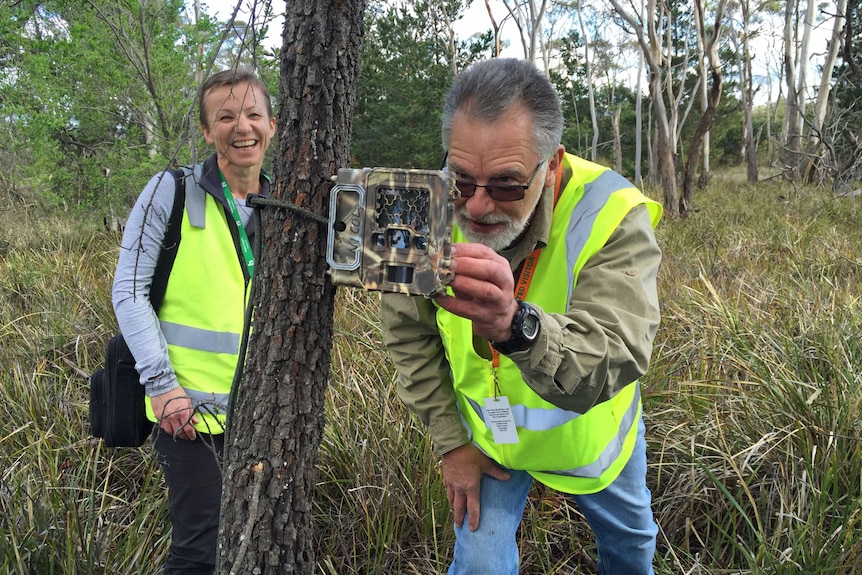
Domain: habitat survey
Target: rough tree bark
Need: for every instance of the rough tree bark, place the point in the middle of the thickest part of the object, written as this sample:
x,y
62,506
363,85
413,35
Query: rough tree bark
x,y
277,423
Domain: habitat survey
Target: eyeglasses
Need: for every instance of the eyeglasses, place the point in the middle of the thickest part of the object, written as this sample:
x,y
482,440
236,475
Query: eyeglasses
x,y
498,192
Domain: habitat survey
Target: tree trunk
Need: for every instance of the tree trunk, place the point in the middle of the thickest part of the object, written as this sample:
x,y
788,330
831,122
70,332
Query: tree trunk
x,y
697,144
703,67
589,80
618,144
277,422
802,59
664,150
794,120
527,16
703,126
746,89
639,119
495,27
651,48
819,115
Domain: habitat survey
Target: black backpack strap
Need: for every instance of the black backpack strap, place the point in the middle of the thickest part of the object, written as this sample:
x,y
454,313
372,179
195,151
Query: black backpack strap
x,y
170,244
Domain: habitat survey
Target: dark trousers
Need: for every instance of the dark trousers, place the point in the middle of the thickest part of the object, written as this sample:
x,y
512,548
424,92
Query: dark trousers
x,y
193,475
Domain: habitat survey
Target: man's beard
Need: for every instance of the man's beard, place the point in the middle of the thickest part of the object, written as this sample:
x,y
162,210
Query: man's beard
x,y
497,240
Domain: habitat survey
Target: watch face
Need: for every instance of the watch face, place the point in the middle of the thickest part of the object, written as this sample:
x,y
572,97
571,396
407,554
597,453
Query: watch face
x,y
531,326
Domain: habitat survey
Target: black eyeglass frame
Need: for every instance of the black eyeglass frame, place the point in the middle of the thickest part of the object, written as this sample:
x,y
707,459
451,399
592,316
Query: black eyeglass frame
x,y
499,192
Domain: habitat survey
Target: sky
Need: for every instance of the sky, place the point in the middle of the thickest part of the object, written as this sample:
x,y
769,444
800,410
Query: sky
x,y
476,20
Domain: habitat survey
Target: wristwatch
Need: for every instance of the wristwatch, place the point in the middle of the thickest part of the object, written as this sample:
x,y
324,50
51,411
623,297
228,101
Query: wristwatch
x,y
525,330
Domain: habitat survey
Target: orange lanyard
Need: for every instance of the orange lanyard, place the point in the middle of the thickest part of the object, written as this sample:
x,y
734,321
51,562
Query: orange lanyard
x,y
524,280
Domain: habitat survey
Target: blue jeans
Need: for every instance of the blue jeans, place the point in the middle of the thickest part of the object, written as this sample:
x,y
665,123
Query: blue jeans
x,y
620,516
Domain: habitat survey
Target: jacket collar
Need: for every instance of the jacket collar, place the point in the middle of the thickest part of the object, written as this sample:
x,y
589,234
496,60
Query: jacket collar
x,y
211,182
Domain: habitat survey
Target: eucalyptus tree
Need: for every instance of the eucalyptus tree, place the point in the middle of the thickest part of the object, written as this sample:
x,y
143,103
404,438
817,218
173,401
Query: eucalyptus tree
x,y
709,55
818,117
650,28
845,121
527,16
793,107
741,35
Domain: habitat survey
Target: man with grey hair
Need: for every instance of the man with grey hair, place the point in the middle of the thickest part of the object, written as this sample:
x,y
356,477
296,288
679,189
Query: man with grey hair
x,y
527,369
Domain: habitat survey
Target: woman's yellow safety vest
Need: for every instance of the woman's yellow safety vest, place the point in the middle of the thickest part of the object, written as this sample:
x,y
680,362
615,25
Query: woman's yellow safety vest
x,y
203,310
568,451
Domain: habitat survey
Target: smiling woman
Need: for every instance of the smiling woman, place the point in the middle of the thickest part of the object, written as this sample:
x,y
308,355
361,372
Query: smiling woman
x,y
188,352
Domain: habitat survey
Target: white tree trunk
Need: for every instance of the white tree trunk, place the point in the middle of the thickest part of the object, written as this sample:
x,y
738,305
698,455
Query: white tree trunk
x,y
793,117
590,94
835,45
801,85
527,16
704,104
639,112
651,47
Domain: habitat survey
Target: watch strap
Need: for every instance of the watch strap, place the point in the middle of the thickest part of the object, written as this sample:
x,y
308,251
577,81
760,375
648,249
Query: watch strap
x,y
517,341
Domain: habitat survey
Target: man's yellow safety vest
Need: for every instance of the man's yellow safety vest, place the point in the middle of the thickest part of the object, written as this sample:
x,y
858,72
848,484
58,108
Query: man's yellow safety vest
x,y
568,451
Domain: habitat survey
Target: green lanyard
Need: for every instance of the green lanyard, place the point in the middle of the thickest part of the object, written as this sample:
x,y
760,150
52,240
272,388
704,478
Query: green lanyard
x,y
243,237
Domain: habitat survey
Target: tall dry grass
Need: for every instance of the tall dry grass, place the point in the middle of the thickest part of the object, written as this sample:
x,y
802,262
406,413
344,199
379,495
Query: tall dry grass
x,y
752,407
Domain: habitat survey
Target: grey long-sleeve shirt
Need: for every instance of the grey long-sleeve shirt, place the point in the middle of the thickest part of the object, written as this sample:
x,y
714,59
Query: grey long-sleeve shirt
x,y
601,344
139,252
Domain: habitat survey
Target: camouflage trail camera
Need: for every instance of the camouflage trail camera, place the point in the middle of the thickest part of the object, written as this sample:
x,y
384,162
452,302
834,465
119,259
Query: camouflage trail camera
x,y
391,230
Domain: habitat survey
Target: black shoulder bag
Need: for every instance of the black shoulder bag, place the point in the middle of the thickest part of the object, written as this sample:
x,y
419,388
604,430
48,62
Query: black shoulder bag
x,y
117,411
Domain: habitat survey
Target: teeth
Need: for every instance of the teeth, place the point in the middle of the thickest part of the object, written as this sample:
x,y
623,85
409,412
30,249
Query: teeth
x,y
244,144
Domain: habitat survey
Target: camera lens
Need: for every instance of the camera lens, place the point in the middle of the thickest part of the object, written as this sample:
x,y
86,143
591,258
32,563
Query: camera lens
x,y
399,239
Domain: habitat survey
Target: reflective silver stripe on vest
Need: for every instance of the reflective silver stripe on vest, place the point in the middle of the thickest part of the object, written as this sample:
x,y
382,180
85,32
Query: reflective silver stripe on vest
x,y
596,194
545,419
196,199
612,451
533,419
209,402
200,339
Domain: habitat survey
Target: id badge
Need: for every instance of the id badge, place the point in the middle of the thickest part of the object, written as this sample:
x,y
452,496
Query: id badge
x,y
500,420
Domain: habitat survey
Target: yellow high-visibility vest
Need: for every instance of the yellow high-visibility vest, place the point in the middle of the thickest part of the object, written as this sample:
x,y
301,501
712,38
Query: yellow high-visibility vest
x,y
203,311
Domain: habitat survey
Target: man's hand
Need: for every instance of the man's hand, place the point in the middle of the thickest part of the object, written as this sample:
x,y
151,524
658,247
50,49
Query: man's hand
x,y
463,469
175,413
483,287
